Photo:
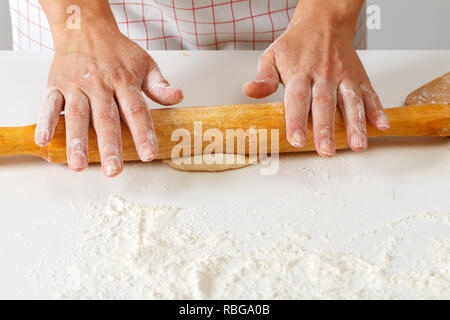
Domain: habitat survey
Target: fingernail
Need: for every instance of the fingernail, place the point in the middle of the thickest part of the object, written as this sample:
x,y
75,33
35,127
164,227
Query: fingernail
x,y
78,160
159,85
326,147
358,141
149,149
298,140
383,121
178,93
42,137
146,152
112,166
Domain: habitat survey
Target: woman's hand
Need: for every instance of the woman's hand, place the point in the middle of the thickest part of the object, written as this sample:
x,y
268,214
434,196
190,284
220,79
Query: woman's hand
x,y
319,68
98,75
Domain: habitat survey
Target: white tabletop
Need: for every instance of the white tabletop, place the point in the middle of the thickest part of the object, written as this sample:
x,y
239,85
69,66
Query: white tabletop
x,y
43,206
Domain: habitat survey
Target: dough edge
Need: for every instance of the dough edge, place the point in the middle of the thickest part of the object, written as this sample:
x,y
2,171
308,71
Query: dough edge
x,y
239,161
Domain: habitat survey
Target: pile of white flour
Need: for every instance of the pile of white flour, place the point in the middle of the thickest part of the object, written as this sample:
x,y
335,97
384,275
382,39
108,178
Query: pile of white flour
x,y
138,251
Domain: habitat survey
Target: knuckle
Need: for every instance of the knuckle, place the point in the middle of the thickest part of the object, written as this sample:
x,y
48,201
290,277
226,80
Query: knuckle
x,y
94,76
358,114
51,122
97,85
325,98
346,74
356,121
372,94
300,78
109,148
326,71
325,65
323,130
77,111
355,100
122,76
135,110
106,102
359,128
367,89
78,103
52,98
298,98
52,91
263,59
107,115
302,97
296,122
371,97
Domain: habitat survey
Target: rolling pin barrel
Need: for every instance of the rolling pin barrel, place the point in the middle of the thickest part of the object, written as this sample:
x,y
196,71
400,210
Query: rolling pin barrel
x,y
423,120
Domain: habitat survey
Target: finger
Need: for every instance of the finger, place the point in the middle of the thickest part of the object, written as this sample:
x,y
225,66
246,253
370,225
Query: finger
x,y
137,116
48,116
157,88
323,113
77,112
106,121
267,78
297,99
355,119
374,108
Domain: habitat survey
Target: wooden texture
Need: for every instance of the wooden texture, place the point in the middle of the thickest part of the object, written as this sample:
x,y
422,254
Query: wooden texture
x,y
424,120
436,91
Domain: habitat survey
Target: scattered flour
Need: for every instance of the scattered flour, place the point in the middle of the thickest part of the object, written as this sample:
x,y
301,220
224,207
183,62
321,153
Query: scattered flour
x,y
161,252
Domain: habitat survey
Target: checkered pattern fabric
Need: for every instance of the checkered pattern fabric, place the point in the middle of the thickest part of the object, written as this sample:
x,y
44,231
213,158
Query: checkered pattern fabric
x,y
177,24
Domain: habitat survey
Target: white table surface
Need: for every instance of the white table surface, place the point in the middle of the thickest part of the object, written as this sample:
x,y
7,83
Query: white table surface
x,y
42,204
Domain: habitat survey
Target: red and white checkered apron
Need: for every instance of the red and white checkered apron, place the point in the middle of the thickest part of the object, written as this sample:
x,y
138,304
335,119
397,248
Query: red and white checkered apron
x,y
178,24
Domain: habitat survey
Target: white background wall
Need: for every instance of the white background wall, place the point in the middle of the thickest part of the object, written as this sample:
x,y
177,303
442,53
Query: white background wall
x,y
406,24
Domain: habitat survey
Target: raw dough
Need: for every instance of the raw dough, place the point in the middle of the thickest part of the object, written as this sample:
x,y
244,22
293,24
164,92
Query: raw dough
x,y
436,91
206,162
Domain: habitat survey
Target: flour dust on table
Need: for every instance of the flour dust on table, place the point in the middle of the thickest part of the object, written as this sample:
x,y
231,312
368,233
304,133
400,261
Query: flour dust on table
x,y
162,252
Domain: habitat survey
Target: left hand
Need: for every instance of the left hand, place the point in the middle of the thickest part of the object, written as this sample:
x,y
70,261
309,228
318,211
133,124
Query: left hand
x,y
319,68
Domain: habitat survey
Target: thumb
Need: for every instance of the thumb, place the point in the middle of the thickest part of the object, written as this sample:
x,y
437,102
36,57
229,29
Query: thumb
x,y
157,88
266,81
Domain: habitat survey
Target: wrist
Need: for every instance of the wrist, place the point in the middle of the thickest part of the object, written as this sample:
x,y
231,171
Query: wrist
x,y
329,14
84,21
90,32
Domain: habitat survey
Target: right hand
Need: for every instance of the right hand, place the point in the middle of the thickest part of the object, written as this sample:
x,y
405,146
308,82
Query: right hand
x,y
100,77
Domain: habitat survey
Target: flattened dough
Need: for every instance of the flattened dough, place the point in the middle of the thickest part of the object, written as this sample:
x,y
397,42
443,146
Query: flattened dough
x,y
204,162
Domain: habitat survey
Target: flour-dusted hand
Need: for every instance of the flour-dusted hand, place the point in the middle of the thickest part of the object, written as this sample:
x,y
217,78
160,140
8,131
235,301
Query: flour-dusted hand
x,y
316,62
98,75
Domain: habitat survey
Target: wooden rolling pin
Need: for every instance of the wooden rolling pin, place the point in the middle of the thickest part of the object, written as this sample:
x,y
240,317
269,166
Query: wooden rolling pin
x,y
423,120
